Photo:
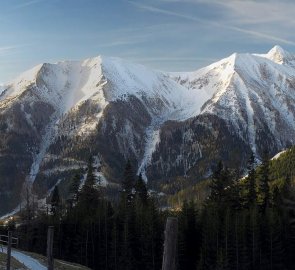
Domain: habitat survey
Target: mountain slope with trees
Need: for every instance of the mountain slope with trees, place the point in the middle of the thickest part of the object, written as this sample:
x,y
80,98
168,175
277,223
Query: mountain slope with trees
x,y
244,223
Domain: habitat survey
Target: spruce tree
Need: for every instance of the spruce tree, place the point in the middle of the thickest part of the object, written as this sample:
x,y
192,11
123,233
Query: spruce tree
x,y
288,217
128,182
89,195
55,201
264,182
211,245
73,191
141,190
253,236
221,181
275,240
188,236
251,182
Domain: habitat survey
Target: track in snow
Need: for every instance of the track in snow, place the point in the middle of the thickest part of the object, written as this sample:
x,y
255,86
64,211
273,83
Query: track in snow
x,y
28,261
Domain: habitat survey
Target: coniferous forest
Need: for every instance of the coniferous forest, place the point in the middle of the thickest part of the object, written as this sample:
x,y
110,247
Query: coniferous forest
x,y
245,223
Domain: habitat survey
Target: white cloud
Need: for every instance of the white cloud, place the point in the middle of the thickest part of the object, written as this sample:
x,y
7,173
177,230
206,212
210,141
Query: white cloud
x,y
28,3
7,49
240,16
176,59
253,12
163,11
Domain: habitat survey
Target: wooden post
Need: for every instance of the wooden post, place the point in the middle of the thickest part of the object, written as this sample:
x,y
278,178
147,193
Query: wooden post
x,y
170,245
8,250
50,261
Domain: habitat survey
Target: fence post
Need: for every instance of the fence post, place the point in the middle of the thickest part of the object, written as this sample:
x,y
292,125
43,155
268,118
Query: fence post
x,y
170,245
50,261
8,250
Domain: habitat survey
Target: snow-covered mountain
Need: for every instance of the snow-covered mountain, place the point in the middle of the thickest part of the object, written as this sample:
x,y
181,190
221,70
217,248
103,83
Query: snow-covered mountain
x,y
253,92
54,116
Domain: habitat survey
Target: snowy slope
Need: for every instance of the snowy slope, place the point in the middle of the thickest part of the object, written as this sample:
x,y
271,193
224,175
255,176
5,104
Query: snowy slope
x,y
57,107
250,91
242,89
67,85
63,84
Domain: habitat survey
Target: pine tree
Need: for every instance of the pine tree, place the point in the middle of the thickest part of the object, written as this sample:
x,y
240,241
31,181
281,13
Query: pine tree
x,y
55,201
275,240
128,182
217,185
251,182
73,191
141,190
188,236
211,245
264,182
233,197
220,183
288,211
253,236
89,195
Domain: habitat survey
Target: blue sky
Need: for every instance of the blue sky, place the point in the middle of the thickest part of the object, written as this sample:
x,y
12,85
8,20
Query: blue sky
x,y
172,35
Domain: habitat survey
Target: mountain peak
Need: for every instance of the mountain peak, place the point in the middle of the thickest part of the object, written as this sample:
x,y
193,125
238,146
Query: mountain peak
x,y
279,55
277,49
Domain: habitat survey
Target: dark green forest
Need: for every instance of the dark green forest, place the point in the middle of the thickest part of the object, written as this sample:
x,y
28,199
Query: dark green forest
x,y
243,223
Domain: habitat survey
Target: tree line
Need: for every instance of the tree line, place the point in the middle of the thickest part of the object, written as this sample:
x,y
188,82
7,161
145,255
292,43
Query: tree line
x,y
248,223
245,223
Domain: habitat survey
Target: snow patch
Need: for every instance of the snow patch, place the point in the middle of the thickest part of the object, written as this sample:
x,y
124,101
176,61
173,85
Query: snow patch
x,y
27,260
152,140
279,154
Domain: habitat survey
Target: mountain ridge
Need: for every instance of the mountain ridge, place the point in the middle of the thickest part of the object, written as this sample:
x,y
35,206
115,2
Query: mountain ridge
x,y
168,124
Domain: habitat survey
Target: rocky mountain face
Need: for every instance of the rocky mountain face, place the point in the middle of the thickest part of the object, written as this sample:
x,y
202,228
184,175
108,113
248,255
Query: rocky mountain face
x,y
170,125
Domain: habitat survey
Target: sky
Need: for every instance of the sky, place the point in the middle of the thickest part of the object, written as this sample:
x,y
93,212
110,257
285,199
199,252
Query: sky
x,y
169,35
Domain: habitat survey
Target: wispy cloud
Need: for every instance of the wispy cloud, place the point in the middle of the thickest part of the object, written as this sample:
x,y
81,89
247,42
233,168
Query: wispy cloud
x,y
250,11
28,3
6,49
253,12
176,59
164,11
219,24
124,40
262,35
9,50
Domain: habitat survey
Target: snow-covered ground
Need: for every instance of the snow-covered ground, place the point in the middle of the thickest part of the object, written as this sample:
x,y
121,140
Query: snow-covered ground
x,y
278,154
28,261
243,89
